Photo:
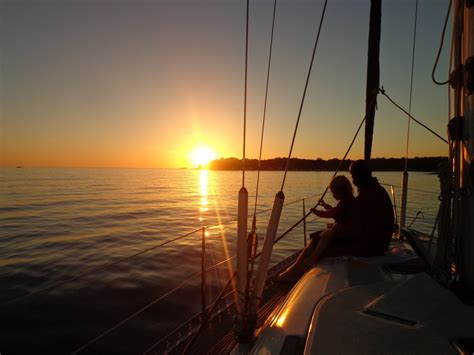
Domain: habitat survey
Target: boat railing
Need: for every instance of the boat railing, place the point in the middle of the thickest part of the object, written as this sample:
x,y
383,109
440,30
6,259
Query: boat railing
x,y
412,189
415,213
203,272
207,310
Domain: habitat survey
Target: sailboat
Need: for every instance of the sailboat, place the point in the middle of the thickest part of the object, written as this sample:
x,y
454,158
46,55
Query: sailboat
x,y
392,304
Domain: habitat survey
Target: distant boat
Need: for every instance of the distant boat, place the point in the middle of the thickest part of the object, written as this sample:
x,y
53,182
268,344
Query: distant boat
x,y
19,167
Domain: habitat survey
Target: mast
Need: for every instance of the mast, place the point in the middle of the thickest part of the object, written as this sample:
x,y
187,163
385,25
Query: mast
x,y
464,152
373,74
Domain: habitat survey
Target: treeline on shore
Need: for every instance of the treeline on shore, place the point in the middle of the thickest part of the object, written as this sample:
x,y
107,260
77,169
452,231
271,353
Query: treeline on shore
x,y
429,164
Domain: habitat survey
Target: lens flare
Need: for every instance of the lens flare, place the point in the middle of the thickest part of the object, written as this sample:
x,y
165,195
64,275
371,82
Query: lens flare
x,y
201,156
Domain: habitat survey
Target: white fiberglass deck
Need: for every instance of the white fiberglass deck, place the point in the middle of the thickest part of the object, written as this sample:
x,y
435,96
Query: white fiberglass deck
x,y
356,306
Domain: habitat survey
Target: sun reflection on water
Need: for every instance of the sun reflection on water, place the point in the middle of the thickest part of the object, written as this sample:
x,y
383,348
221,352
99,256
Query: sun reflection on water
x,y
204,191
217,230
203,185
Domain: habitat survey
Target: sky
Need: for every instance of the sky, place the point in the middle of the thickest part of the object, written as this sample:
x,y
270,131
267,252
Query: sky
x,y
137,83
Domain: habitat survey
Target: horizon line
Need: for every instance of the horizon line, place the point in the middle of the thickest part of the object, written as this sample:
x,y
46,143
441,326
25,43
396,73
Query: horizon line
x,y
184,167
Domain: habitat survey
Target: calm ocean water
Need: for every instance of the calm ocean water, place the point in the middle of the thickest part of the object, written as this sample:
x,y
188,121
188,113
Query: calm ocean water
x,y
58,223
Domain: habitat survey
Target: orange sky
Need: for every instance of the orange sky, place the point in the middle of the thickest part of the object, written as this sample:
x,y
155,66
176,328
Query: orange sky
x,y
139,84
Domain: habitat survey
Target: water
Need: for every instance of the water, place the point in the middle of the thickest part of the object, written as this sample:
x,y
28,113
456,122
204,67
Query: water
x,y
58,223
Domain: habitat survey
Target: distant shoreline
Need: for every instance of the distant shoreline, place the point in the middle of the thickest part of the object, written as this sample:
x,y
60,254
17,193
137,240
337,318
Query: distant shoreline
x,y
424,164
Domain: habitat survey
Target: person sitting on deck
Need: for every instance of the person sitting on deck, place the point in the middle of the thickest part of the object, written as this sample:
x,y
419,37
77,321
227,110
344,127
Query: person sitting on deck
x,y
342,191
366,232
374,212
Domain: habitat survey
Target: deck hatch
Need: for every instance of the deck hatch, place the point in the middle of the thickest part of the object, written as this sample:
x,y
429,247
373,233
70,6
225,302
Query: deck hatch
x,y
389,317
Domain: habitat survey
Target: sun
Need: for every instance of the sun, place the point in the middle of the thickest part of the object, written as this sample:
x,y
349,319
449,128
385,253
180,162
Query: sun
x,y
201,156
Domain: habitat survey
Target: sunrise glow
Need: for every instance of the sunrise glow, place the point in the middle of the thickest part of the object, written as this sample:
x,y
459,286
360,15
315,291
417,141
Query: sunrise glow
x,y
201,156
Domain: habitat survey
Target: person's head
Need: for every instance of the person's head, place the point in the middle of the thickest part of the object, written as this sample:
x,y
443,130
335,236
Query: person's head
x,y
341,187
361,173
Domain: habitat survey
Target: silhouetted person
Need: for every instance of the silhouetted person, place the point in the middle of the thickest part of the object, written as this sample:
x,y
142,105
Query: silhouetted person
x,y
367,232
342,191
374,210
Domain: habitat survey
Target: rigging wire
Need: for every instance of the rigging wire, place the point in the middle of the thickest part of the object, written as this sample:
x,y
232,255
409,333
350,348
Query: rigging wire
x,y
411,85
264,112
335,173
245,93
304,93
144,308
289,157
109,264
382,91
440,49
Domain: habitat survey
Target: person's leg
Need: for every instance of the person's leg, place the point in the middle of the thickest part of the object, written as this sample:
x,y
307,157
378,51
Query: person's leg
x,y
342,241
295,270
325,239
308,249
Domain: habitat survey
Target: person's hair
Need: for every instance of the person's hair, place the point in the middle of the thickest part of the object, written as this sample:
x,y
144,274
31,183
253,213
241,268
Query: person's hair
x,y
341,186
361,173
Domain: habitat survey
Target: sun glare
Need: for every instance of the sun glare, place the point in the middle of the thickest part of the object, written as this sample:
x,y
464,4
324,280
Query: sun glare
x,y
201,156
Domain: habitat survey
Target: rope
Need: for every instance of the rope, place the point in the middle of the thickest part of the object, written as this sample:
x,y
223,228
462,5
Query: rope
x,y
138,312
440,49
264,113
94,269
304,94
451,54
245,94
424,213
382,91
411,85
327,187
419,213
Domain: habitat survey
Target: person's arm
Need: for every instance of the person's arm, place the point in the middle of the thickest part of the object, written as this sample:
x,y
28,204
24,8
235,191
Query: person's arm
x,y
331,213
327,206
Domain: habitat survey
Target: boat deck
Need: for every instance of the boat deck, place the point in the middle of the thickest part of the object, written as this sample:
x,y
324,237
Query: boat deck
x,y
217,336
